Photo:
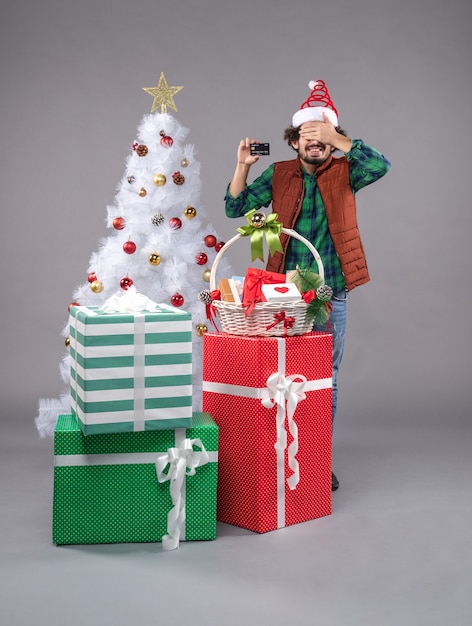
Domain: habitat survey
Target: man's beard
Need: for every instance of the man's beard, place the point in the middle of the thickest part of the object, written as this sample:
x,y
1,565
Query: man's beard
x,y
314,160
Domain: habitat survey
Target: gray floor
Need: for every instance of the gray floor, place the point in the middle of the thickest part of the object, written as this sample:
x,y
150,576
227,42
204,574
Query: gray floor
x,y
396,550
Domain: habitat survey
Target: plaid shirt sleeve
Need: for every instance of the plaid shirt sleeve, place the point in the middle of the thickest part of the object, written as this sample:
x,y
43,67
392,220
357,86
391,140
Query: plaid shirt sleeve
x,y
366,164
256,195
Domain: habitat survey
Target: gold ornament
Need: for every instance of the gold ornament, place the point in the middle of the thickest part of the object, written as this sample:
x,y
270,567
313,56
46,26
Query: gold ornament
x,y
159,180
184,162
190,212
163,95
201,329
154,258
67,342
258,220
206,275
96,286
142,192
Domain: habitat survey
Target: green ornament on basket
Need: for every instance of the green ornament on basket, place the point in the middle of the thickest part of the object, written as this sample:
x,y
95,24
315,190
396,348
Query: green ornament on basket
x,y
258,226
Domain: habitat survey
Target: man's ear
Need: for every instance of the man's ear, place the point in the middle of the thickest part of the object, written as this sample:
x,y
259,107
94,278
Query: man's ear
x,y
294,145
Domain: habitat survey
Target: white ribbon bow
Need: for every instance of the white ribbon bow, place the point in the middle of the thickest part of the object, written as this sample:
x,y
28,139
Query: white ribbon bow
x,y
283,390
130,301
182,462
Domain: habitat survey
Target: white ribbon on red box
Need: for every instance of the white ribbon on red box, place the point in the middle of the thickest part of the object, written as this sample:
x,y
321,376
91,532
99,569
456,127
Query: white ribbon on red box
x,y
284,392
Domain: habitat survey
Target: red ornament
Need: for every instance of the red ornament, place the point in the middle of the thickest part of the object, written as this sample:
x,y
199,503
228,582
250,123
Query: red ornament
x,y
91,277
129,247
166,141
135,145
210,241
119,223
126,282
72,304
201,258
219,245
177,299
175,223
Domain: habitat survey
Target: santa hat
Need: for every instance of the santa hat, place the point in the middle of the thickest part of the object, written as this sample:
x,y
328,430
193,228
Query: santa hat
x,y
319,102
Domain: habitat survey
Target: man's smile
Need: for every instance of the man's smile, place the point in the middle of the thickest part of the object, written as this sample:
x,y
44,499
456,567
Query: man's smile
x,y
315,149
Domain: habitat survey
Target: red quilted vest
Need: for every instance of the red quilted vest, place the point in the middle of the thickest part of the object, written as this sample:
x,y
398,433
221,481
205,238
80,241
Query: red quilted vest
x,y
333,181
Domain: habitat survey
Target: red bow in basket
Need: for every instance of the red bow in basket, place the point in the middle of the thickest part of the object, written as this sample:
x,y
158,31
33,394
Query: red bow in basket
x,y
282,317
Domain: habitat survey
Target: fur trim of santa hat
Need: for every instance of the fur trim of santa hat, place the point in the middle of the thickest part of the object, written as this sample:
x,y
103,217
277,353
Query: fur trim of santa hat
x,y
318,102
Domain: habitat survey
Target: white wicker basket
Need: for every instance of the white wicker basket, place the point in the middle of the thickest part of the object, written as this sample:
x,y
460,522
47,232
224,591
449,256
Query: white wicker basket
x,y
233,316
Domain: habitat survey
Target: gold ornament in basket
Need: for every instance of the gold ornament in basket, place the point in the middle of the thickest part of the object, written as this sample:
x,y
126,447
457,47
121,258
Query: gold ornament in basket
x,y
267,319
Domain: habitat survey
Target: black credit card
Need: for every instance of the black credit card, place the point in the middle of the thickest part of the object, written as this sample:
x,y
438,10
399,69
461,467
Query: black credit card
x,y
260,148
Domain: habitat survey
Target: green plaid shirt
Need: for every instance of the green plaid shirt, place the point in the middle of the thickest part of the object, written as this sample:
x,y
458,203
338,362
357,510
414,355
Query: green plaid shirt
x,y
366,165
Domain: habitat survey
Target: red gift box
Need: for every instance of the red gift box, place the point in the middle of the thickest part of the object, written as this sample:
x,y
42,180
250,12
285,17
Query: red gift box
x,y
252,286
271,399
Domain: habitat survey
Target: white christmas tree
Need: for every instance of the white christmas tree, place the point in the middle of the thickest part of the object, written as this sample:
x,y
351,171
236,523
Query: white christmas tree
x,y
160,242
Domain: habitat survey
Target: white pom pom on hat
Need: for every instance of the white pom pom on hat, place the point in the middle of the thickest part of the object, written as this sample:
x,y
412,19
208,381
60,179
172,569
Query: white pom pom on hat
x,y
318,102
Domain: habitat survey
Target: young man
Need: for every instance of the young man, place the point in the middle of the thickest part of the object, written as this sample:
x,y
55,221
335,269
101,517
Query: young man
x,y
314,194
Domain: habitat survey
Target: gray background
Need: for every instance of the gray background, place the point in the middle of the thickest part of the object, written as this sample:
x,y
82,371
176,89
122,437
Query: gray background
x,y
399,73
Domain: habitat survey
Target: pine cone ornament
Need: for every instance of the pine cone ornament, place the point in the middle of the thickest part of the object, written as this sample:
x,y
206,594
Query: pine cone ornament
x,y
142,150
178,178
158,219
324,293
205,297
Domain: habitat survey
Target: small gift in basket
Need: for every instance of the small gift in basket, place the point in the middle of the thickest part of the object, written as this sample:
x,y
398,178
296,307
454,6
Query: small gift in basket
x,y
253,290
257,317
281,292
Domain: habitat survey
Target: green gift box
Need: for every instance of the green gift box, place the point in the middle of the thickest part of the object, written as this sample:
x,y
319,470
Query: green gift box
x,y
131,371
143,486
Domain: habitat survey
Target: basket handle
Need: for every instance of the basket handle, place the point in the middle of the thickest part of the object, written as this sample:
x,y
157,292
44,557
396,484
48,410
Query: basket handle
x,y
287,231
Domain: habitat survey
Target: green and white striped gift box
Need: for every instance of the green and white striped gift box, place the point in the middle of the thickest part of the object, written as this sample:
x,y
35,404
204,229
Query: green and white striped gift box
x,y
107,489
131,371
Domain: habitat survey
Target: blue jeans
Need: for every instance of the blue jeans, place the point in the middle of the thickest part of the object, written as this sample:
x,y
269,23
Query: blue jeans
x,y
337,326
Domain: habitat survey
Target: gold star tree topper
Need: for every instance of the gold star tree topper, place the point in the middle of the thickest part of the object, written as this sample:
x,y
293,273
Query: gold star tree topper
x,y
163,95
